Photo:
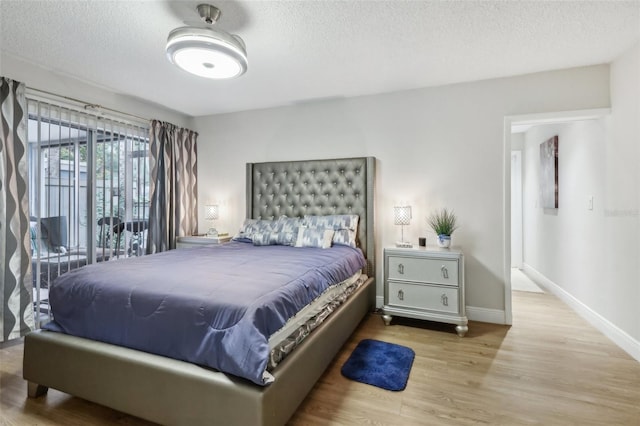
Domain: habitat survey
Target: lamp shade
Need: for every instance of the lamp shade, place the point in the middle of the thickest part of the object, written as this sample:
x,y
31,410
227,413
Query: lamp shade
x,y
402,215
212,212
207,53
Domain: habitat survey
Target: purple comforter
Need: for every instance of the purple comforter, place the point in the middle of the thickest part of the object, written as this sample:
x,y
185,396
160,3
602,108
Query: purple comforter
x,y
215,306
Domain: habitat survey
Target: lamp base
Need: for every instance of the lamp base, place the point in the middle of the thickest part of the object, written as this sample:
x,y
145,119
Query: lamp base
x,y
404,244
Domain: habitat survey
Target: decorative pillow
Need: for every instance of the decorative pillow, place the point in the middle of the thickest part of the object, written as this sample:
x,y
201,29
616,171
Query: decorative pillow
x,y
289,224
333,221
274,238
44,243
33,233
314,237
345,237
255,226
345,225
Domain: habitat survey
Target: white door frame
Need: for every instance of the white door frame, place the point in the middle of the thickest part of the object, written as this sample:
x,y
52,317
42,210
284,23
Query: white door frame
x,y
531,119
517,243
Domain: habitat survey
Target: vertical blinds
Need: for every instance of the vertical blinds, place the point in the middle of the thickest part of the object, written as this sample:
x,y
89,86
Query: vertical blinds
x,y
89,190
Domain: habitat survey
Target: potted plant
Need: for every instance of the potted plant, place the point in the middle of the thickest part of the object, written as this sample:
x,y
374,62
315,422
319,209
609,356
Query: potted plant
x,y
443,222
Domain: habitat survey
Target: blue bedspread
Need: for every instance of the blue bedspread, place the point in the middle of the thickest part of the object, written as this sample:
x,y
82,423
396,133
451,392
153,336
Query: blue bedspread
x,y
215,306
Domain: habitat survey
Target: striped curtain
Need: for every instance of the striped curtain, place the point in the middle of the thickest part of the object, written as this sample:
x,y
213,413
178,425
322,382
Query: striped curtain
x,y
16,288
173,185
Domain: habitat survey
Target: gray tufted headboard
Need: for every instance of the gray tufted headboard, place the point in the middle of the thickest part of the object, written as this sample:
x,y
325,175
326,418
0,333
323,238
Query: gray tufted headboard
x,y
317,187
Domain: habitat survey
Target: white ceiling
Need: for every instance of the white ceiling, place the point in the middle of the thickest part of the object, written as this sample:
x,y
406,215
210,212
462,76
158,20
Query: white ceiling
x,y
304,50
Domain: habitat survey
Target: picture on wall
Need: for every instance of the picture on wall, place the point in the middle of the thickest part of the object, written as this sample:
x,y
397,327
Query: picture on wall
x,y
549,173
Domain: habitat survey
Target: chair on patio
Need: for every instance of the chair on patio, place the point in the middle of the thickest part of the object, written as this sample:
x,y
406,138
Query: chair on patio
x,y
54,233
50,252
108,231
51,256
137,229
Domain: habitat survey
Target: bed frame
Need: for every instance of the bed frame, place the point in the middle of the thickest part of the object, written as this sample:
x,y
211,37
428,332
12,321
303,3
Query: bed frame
x,y
174,392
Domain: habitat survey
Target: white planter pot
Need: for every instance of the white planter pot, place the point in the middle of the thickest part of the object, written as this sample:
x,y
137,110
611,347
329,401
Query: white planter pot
x,y
444,240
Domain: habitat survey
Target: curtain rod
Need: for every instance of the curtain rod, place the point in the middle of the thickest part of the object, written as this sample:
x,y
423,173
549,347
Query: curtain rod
x,y
90,106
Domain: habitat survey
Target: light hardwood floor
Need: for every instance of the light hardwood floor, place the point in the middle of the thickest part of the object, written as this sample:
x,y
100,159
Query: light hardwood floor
x,y
549,368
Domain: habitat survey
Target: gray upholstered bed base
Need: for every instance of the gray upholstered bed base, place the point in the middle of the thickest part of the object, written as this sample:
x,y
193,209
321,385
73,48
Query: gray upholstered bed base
x,y
173,392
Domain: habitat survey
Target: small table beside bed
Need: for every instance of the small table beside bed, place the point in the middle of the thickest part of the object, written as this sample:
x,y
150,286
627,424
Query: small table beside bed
x,y
110,340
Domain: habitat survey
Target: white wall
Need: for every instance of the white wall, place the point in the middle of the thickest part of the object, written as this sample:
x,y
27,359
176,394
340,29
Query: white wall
x,y
567,245
44,79
436,147
592,256
622,196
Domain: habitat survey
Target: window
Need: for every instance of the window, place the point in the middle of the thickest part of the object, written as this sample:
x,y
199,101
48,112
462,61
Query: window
x,y
88,191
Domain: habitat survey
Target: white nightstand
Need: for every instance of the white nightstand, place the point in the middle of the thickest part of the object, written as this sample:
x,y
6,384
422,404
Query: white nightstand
x,y
201,240
425,283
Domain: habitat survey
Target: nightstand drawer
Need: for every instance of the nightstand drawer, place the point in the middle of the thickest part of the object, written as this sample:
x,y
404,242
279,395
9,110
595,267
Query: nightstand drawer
x,y
416,296
437,271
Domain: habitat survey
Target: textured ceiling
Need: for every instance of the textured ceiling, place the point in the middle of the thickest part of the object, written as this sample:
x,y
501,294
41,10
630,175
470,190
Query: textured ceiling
x,y
304,50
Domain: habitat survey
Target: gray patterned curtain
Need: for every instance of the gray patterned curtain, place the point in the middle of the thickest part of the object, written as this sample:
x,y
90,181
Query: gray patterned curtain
x,y
16,287
173,188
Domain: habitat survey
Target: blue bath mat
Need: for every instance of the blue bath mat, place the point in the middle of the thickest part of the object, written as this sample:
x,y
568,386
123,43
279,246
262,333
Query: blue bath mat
x,y
381,364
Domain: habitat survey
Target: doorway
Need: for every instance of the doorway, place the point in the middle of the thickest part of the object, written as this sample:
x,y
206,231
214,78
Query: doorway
x,y
517,123
519,280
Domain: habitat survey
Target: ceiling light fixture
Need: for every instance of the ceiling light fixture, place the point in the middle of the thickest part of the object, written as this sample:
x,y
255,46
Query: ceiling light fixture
x,y
206,52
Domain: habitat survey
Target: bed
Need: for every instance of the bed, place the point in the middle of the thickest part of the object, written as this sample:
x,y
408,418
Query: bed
x,y
170,391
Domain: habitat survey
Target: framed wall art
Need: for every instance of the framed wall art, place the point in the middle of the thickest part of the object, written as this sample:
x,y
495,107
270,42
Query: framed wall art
x,y
549,173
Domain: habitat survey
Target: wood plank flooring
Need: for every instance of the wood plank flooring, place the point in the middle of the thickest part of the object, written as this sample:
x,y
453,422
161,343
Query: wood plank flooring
x,y
549,368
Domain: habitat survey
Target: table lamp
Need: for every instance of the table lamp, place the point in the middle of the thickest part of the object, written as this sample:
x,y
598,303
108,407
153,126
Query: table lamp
x,y
402,217
212,212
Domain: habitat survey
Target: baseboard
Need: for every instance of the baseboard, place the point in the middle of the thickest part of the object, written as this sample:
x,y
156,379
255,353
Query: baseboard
x,y
379,302
13,342
618,336
494,316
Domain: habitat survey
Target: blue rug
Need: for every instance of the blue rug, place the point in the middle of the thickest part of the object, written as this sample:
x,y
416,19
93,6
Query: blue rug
x,y
380,364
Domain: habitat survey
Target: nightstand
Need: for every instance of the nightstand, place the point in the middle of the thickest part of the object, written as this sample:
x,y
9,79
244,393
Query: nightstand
x,y
425,283
200,240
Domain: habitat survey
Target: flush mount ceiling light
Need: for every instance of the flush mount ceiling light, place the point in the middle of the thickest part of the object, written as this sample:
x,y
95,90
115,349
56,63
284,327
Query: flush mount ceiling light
x,y
207,52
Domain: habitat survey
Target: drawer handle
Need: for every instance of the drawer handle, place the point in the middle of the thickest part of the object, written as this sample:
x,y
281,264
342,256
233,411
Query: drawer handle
x,y
445,272
445,300
401,268
400,294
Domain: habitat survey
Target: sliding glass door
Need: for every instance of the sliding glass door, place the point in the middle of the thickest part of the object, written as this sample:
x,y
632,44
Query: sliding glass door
x,y
121,191
89,191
